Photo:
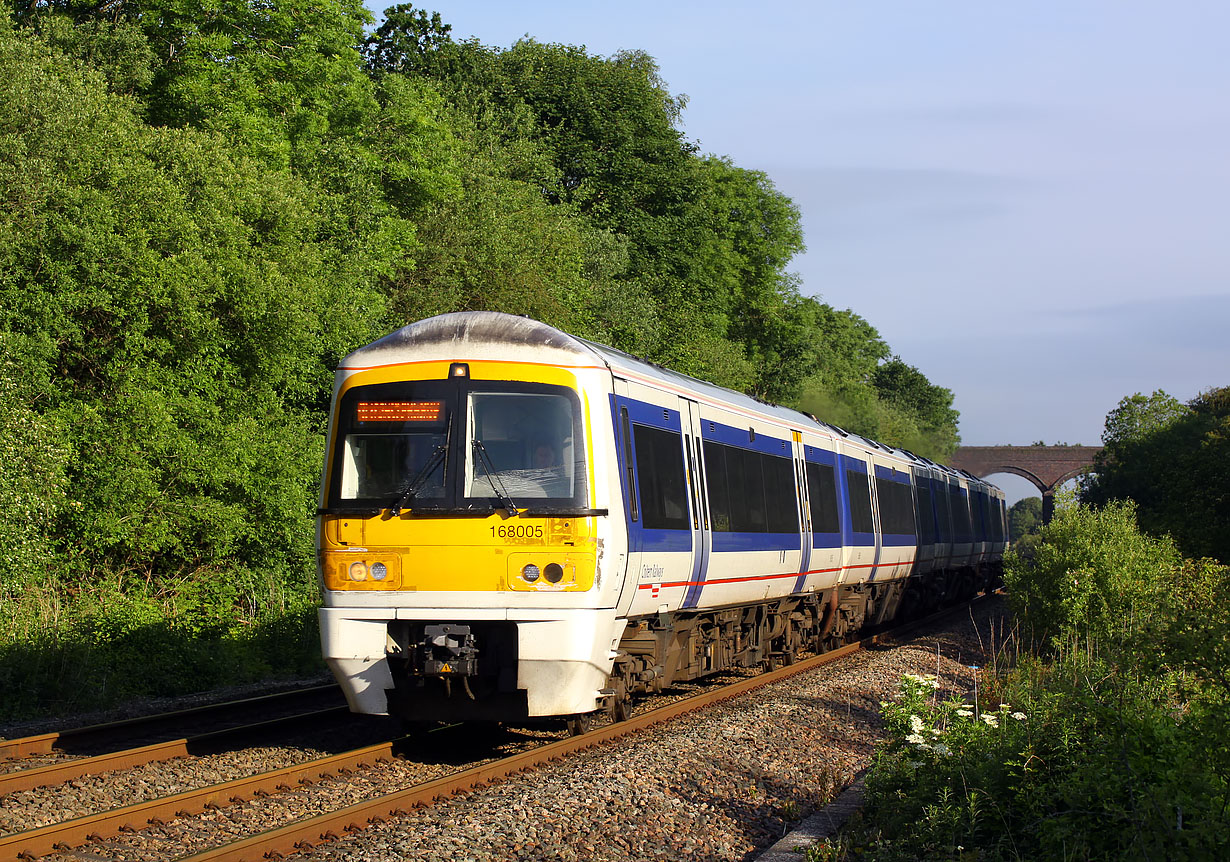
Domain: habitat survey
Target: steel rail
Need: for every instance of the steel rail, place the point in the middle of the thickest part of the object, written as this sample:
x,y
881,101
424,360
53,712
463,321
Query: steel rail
x,y
303,835
58,773
44,743
107,824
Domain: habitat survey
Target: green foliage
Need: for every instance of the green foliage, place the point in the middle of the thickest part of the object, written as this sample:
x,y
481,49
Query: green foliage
x,y
1078,765
205,205
64,651
1024,518
33,485
1138,416
1093,578
406,42
1118,745
1174,462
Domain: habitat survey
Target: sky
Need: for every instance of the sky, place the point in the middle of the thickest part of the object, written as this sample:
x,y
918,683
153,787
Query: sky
x,y
1029,201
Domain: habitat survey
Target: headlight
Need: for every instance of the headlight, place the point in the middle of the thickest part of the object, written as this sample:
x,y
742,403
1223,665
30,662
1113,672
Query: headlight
x,y
530,572
347,570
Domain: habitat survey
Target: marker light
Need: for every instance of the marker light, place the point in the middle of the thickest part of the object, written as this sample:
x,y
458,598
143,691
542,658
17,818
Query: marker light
x,y
358,571
554,573
530,572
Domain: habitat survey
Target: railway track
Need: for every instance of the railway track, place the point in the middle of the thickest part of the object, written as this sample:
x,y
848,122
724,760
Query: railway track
x,y
168,725
305,833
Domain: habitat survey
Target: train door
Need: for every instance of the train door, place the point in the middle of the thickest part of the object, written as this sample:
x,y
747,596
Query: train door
x,y
825,514
877,521
805,525
702,535
655,482
858,520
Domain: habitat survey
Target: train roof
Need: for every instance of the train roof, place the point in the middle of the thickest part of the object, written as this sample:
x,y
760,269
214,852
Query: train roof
x,y
491,334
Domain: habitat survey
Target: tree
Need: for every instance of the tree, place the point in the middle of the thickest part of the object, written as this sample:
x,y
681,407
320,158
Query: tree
x,y
1175,463
170,298
408,41
1139,416
1024,518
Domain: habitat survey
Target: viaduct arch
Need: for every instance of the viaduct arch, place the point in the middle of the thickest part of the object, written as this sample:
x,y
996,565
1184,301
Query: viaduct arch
x,y
1047,467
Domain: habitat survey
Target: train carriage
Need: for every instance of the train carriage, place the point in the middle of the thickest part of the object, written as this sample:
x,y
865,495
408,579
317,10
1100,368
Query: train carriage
x,y
515,523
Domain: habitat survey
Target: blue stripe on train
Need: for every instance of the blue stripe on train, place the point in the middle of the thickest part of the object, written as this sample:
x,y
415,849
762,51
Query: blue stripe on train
x,y
755,542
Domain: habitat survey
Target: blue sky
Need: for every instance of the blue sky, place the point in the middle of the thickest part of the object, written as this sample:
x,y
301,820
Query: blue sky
x,y
1029,201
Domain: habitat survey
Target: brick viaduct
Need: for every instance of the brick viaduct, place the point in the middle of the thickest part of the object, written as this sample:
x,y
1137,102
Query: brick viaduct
x,y
1047,467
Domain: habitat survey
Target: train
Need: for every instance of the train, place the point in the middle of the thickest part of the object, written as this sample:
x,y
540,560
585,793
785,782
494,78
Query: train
x,y
518,524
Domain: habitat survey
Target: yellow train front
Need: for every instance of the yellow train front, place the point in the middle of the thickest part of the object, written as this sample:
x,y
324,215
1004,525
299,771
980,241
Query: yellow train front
x,y
462,524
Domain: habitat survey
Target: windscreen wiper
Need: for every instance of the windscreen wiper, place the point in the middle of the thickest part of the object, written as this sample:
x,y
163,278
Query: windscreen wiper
x,y
497,485
416,484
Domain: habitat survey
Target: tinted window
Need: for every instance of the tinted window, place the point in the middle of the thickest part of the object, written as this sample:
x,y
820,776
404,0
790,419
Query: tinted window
x,y
926,517
660,478
860,502
749,492
393,438
717,487
781,501
822,497
962,528
896,507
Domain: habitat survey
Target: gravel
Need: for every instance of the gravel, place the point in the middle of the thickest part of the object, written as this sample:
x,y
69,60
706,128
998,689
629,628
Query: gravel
x,y
721,784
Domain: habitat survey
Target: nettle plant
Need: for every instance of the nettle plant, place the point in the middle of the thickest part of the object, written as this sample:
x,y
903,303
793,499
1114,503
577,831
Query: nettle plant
x,y
943,766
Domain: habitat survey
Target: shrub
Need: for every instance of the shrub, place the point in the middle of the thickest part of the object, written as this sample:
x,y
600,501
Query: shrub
x,y
1092,578
1078,767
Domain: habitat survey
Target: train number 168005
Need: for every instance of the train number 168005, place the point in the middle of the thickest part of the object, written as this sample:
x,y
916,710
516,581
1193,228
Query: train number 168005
x,y
517,531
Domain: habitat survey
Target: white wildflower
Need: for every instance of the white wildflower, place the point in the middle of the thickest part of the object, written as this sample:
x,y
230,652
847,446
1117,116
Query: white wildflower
x,y
941,749
1019,716
990,718
928,680
935,731
965,713
916,724
915,739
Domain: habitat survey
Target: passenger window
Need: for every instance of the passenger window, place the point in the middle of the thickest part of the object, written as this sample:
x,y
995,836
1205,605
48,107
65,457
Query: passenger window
x,y
750,492
822,498
926,517
896,507
660,478
859,492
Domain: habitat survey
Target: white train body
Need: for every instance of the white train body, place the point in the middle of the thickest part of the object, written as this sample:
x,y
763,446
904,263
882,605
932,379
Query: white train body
x,y
515,523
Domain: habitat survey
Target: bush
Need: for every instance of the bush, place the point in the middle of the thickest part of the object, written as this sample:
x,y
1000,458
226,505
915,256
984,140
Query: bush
x,y
68,650
1092,578
1117,741
1077,767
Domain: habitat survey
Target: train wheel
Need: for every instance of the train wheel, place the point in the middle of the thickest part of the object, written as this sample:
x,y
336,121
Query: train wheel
x,y
579,724
622,707
619,707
